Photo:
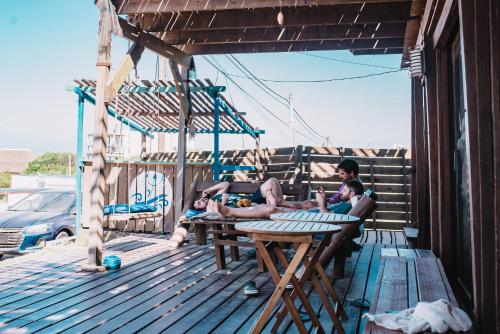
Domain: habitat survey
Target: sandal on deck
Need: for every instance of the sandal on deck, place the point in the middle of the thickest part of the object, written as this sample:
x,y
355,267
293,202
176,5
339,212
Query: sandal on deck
x,y
361,303
250,289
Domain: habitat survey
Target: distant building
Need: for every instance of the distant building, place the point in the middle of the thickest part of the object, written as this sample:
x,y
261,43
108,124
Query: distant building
x,y
15,160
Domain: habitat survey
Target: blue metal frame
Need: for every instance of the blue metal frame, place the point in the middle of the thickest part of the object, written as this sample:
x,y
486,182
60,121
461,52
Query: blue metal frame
x,y
112,113
227,109
216,162
212,91
79,164
230,168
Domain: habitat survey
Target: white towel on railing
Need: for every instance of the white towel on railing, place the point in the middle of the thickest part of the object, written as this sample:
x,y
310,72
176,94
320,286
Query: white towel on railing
x,y
439,317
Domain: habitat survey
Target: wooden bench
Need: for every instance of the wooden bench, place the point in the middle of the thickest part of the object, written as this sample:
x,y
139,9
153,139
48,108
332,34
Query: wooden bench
x,y
403,281
411,235
223,230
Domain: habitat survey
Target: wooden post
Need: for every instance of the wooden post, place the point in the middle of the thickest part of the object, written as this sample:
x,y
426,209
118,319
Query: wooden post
x,y
182,85
372,181
98,181
143,147
405,187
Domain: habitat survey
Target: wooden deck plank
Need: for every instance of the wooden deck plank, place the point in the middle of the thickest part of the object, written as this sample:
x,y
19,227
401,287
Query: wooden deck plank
x,y
41,305
110,296
180,290
430,284
370,283
223,312
393,289
134,296
98,322
192,313
154,319
356,289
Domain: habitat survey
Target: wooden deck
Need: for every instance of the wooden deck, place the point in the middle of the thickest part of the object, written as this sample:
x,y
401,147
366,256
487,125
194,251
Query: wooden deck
x,y
162,289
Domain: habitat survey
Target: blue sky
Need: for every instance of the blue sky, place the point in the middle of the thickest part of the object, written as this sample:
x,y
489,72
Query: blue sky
x,y
47,44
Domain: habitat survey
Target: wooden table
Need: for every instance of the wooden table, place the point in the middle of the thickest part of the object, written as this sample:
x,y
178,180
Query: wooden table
x,y
301,235
316,217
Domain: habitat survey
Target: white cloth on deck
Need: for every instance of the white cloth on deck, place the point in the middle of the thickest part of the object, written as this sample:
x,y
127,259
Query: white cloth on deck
x,y
439,317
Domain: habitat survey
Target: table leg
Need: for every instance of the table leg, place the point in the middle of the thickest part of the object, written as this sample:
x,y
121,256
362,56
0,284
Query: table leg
x,y
300,292
280,290
331,291
310,271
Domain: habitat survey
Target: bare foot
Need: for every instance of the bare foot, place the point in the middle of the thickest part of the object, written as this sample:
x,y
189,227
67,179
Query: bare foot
x,y
224,198
219,208
320,197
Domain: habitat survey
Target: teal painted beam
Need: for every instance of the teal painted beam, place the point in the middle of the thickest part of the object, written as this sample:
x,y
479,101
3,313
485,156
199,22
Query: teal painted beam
x,y
233,168
112,113
227,109
216,163
79,164
143,89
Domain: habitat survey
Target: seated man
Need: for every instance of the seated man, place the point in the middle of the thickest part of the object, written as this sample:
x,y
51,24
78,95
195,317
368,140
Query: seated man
x,y
264,211
348,170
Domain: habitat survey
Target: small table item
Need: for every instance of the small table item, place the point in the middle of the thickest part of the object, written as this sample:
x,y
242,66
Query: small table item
x,y
317,217
301,235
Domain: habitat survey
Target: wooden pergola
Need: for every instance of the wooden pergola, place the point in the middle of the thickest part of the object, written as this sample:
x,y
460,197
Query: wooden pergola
x,y
179,29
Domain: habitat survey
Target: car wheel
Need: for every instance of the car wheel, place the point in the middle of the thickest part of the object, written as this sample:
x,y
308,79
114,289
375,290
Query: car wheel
x,y
62,235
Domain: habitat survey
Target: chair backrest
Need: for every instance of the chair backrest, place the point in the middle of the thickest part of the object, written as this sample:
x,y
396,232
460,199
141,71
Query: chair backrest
x,y
364,208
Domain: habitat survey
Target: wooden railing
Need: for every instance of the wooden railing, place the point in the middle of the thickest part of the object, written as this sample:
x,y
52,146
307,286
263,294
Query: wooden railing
x,y
386,171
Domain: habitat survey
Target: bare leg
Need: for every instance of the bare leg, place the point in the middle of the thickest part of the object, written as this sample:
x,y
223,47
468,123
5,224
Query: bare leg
x,y
271,191
305,205
338,240
261,211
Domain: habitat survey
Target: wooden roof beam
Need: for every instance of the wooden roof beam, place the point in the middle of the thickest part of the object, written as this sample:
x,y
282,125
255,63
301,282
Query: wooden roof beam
x,y
153,43
266,17
200,49
309,33
162,6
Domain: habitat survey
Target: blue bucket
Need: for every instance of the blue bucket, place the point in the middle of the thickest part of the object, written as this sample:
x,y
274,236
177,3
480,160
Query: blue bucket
x,y
112,262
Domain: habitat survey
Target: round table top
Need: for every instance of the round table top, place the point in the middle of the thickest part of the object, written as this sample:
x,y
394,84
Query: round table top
x,y
286,227
317,217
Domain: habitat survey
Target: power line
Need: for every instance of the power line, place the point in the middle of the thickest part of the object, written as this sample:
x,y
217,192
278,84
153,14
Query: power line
x,y
347,61
314,81
244,69
254,99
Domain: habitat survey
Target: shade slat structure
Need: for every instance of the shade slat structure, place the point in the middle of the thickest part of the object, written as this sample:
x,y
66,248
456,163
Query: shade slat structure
x,y
154,106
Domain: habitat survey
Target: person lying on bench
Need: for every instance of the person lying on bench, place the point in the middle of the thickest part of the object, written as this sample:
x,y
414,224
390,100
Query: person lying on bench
x,y
264,211
268,193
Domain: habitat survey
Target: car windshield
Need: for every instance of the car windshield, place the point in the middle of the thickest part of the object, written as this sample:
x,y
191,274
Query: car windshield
x,y
45,202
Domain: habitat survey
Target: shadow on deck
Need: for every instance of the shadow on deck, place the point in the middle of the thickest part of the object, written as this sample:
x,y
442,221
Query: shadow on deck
x,y
163,289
